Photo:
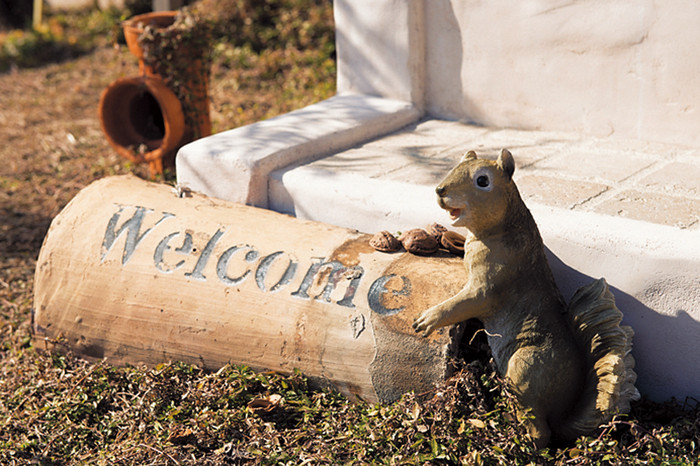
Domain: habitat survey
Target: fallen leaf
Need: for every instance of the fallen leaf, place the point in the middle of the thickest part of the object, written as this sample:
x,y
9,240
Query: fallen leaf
x,y
181,436
415,411
265,405
478,423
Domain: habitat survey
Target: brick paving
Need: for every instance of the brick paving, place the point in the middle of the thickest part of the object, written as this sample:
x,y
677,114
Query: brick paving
x,y
650,182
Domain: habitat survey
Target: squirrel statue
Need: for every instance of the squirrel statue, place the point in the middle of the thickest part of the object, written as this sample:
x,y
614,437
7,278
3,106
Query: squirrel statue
x,y
569,366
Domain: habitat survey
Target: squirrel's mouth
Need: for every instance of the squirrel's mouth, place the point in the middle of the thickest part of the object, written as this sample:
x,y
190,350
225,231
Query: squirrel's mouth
x,y
454,212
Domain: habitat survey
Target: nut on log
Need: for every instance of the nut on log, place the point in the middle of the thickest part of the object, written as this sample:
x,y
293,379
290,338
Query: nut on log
x,y
418,241
453,242
385,242
437,231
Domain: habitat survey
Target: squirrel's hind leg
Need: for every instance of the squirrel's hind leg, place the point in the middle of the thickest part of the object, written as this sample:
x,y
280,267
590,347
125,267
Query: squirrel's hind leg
x,y
536,424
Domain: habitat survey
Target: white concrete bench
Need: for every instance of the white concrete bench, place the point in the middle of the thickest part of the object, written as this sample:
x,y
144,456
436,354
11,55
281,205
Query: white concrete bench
x,y
602,101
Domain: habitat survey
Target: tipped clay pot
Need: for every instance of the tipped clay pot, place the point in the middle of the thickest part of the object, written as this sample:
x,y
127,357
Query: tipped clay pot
x,y
143,120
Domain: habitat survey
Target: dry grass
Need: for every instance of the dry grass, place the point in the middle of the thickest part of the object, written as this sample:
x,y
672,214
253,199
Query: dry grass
x,y
56,409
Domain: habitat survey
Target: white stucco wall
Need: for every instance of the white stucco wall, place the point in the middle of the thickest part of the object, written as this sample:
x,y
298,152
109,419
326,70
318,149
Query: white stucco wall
x,y
626,68
380,47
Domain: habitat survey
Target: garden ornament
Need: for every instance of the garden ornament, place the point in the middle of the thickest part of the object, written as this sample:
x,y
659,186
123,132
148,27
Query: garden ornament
x,y
570,368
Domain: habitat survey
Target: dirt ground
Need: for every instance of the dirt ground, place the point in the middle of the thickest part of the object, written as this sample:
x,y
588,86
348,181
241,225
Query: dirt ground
x,y
51,146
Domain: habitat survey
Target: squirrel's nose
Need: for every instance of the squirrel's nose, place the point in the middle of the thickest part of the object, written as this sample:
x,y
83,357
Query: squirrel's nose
x,y
440,190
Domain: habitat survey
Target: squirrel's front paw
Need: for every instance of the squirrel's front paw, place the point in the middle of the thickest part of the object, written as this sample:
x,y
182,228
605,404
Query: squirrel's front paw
x,y
426,322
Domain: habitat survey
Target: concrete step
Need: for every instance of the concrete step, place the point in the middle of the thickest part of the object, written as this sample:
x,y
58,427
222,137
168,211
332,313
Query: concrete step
x,y
235,165
625,210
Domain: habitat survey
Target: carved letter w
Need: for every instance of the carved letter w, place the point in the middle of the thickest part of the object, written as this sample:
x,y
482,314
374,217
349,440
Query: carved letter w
x,y
132,227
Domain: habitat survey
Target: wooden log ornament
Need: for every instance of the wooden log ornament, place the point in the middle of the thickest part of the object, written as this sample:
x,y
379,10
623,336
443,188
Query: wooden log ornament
x,y
135,272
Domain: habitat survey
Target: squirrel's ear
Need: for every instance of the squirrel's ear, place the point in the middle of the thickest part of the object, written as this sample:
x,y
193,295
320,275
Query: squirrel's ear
x,y
471,155
506,163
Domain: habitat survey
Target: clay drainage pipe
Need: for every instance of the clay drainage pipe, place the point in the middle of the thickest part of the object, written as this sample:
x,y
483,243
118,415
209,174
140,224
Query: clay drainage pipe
x,y
143,120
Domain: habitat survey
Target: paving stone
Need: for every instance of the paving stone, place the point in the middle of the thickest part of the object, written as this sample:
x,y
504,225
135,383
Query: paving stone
x,y
518,137
443,128
427,138
675,211
556,169
432,170
524,156
514,140
369,162
632,148
416,144
603,167
428,172
556,191
676,177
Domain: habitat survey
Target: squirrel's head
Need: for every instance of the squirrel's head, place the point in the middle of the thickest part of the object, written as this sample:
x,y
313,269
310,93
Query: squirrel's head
x,y
478,192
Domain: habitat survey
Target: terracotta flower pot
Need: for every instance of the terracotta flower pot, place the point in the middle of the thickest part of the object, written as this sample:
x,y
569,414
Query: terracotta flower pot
x,y
195,102
143,120
134,27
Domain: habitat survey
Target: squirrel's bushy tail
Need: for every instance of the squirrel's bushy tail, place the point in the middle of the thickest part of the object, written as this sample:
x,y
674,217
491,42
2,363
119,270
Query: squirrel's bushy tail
x,y
609,384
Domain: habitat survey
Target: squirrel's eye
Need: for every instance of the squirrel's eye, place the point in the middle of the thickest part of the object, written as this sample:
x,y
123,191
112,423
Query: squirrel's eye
x,y
482,181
